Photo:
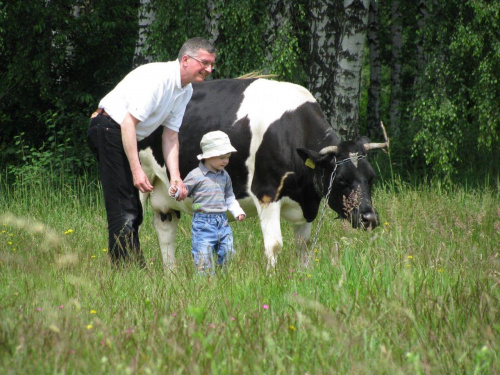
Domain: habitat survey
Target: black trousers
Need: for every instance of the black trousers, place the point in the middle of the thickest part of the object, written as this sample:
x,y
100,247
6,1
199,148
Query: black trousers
x,y
121,197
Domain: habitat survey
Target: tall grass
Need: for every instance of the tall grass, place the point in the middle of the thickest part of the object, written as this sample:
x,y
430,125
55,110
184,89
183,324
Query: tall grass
x,y
418,295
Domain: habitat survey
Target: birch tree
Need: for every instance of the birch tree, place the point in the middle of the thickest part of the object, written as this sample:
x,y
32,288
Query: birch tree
x,y
212,19
397,42
423,19
338,34
146,17
373,107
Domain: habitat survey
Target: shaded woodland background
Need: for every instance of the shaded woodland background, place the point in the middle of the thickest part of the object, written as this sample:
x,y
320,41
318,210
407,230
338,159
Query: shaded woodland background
x,y
429,70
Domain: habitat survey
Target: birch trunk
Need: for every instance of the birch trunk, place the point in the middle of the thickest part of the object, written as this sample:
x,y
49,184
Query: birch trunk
x,y
146,17
423,16
396,92
279,16
373,107
338,32
212,20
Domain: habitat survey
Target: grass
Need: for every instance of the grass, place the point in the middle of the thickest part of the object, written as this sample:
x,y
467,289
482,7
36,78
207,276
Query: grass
x,y
418,295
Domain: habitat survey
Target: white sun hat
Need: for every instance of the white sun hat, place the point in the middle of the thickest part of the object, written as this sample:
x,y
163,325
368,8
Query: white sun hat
x,y
215,143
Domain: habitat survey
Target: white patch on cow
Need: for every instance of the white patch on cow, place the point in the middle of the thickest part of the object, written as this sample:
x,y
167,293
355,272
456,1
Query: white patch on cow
x,y
162,203
166,232
265,102
270,215
271,229
282,183
354,158
291,211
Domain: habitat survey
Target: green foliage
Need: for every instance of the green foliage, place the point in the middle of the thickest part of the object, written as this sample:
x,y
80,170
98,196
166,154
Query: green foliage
x,y
175,21
457,111
68,55
418,294
241,36
56,161
73,52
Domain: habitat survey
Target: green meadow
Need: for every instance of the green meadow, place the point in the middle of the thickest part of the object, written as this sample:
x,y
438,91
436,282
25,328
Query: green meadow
x,y
418,295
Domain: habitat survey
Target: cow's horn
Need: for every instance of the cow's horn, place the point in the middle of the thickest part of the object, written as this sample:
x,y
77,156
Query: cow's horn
x,y
328,150
374,146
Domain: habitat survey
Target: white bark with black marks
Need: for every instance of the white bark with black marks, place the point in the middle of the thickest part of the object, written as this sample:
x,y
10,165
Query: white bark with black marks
x,y
373,107
146,17
338,35
397,43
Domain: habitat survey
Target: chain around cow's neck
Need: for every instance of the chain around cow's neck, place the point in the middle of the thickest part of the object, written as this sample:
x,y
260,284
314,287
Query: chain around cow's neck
x,y
332,177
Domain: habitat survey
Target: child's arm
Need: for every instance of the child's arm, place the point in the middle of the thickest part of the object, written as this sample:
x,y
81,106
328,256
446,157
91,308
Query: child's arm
x,y
232,204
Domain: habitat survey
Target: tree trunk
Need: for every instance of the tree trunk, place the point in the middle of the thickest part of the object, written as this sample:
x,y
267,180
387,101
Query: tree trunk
x,y
396,92
212,20
279,18
338,33
146,17
373,107
423,16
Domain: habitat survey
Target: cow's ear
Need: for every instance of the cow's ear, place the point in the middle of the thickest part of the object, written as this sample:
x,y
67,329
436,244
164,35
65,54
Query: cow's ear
x,y
310,157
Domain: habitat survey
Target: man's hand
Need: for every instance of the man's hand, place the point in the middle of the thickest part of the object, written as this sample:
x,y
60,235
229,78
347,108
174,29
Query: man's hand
x,y
141,181
129,139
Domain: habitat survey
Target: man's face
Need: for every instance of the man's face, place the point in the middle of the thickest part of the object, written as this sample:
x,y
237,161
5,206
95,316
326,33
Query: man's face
x,y
198,66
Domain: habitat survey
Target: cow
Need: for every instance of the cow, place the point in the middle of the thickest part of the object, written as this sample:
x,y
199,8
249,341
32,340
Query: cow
x,y
288,159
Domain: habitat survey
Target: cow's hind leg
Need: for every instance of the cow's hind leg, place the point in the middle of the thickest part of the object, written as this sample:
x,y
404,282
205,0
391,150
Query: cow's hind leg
x,y
143,197
270,224
302,234
166,229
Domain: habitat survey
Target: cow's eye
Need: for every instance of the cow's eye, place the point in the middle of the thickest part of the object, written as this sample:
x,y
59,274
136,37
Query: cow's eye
x,y
341,182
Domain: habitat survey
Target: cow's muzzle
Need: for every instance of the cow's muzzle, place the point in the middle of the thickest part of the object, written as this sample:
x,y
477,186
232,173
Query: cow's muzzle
x,y
367,220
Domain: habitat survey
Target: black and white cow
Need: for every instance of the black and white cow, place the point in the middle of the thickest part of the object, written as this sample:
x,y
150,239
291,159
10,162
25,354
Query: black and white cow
x,y
287,155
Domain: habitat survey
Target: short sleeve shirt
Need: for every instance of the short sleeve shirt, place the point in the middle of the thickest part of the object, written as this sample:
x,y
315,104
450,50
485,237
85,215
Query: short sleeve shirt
x,y
153,94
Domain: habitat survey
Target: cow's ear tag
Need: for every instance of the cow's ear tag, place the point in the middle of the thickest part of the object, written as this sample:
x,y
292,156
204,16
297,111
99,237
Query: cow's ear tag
x,y
310,163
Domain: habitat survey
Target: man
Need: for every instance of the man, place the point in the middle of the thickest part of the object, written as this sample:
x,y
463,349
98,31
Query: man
x,y
150,96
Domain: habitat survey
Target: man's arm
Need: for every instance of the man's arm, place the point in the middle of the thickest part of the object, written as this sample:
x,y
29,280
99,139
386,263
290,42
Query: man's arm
x,y
129,139
170,147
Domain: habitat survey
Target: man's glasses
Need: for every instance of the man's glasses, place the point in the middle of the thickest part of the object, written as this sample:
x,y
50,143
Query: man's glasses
x,y
206,64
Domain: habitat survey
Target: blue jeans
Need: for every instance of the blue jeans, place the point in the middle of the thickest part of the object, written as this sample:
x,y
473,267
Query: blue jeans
x,y
211,239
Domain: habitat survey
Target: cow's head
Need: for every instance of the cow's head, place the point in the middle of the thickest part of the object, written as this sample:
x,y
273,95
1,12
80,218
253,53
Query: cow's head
x,y
344,174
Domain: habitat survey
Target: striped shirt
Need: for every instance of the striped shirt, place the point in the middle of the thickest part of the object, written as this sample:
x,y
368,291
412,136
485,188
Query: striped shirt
x,y
212,192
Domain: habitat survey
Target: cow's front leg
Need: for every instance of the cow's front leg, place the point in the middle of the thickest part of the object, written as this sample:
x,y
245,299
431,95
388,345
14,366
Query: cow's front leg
x,y
270,224
166,230
302,234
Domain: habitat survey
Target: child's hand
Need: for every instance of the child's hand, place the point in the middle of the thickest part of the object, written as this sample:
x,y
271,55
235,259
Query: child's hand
x,y
174,191
241,217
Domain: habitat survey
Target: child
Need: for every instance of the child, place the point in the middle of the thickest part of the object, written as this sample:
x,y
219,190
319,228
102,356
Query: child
x,y
210,187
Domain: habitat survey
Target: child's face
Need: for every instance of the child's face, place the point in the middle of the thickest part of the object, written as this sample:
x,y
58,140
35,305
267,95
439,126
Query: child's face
x,y
217,163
